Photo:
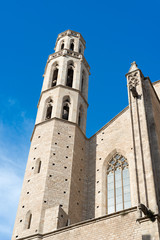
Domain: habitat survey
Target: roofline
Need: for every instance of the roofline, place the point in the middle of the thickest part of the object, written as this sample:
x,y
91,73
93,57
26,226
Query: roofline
x,y
112,120
118,115
154,83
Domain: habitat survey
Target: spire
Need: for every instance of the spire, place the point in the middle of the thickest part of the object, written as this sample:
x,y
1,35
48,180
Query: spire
x,y
133,67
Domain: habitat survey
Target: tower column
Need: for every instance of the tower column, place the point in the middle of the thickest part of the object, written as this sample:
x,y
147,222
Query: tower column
x,y
54,182
145,187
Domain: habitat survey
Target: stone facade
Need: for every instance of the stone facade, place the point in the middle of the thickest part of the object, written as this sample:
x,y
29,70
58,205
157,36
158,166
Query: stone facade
x,y
65,193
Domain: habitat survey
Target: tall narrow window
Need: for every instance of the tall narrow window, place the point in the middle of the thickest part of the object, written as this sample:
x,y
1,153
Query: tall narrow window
x,y
37,166
49,112
54,78
72,46
49,109
62,45
28,220
70,76
118,184
65,110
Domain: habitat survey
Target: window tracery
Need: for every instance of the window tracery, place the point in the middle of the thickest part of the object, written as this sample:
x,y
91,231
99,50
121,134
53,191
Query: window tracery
x,y
118,184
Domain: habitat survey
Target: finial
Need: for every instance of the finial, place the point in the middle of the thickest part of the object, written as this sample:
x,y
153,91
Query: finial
x,y
133,67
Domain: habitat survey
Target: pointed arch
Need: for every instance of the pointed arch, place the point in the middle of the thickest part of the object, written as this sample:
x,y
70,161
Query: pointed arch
x,y
62,45
118,183
54,74
70,74
66,107
28,220
48,108
72,45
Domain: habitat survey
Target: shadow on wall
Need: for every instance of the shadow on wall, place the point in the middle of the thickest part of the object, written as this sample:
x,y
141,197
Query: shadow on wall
x,y
146,237
91,179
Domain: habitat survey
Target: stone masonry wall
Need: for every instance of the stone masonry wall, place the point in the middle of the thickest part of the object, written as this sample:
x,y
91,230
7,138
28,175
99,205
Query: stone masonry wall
x,y
116,136
118,226
34,183
78,201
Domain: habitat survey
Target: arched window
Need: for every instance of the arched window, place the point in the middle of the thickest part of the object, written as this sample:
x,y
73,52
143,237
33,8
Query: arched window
x,y
28,220
70,73
118,184
49,109
65,110
54,77
62,45
72,46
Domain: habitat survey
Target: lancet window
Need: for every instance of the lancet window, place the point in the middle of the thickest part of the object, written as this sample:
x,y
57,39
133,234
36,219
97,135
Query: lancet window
x,y
49,109
54,76
62,45
72,46
118,184
65,109
70,73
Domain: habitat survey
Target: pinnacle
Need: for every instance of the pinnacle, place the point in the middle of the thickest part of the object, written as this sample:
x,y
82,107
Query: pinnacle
x,y
133,67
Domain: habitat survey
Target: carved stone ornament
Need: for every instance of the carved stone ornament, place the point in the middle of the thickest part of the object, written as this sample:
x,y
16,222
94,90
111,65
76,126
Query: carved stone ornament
x,y
133,80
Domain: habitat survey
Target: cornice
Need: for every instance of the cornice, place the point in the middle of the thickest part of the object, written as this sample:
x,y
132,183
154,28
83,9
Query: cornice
x,y
59,119
69,88
64,53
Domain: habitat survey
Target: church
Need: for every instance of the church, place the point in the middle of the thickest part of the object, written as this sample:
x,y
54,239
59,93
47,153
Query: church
x,y
103,187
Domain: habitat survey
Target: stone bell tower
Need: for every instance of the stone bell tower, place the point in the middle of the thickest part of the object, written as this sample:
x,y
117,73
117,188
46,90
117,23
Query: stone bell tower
x,y
54,188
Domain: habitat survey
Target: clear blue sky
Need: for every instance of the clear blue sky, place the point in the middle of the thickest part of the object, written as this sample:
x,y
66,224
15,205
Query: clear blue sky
x,y
116,33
